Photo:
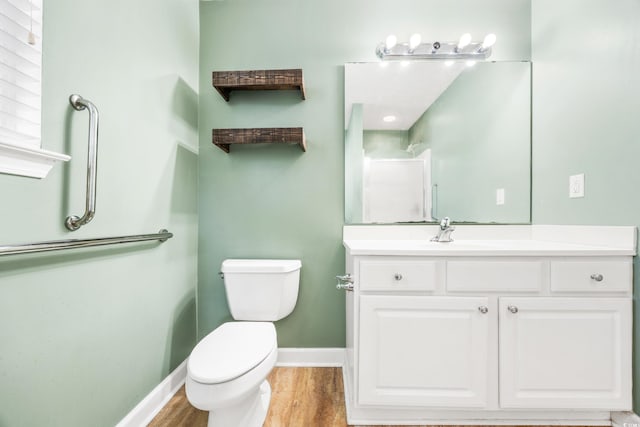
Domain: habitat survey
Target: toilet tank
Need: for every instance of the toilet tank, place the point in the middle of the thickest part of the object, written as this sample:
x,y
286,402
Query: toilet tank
x,y
261,289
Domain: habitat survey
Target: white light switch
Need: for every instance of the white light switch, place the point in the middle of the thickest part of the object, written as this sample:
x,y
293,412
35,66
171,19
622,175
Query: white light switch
x,y
576,186
500,196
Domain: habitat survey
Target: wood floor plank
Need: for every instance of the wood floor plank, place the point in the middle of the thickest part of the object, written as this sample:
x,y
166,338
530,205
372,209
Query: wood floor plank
x,y
300,397
178,412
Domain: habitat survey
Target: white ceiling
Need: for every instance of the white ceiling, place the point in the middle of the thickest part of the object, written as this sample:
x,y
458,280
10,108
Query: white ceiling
x,y
404,90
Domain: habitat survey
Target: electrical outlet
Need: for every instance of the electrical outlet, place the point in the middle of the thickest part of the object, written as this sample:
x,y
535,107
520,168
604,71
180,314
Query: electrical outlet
x,y
576,186
500,196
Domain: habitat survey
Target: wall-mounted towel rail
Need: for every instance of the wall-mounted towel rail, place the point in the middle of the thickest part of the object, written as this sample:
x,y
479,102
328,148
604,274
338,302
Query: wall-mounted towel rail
x,y
56,245
74,222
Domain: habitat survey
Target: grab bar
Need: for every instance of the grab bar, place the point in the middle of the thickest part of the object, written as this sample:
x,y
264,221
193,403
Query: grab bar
x,y
56,245
73,222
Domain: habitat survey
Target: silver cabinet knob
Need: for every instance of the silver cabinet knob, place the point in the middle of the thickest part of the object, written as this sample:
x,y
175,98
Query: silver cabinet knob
x,y
397,276
597,277
482,309
513,309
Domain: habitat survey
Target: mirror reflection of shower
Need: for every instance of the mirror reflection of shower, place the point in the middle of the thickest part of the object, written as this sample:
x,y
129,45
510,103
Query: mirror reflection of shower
x,y
397,189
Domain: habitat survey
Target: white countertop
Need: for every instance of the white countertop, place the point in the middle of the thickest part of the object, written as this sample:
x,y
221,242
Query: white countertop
x,y
479,248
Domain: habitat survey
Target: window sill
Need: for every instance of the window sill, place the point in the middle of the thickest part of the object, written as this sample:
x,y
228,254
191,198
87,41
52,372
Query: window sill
x,y
27,161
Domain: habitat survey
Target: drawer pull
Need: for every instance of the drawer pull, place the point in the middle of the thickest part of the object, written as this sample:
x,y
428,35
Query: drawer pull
x,y
513,309
597,277
397,276
482,309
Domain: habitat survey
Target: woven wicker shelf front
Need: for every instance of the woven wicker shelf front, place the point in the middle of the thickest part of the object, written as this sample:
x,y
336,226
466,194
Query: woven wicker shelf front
x,y
224,138
227,81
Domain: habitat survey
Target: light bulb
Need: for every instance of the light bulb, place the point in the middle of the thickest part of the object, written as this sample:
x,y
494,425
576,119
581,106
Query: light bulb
x,y
465,39
390,42
489,41
414,41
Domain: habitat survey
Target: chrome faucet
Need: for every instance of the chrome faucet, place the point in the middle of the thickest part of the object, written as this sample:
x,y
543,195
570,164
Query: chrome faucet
x,y
444,234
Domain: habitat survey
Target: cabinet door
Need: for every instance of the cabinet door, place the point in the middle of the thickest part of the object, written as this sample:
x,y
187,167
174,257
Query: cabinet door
x,y
423,351
569,353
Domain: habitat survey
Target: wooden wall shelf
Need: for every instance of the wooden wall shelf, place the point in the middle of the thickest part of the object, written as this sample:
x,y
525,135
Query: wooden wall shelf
x,y
227,81
224,138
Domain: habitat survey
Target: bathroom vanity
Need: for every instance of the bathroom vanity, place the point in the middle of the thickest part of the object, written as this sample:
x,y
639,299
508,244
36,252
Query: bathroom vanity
x,y
504,325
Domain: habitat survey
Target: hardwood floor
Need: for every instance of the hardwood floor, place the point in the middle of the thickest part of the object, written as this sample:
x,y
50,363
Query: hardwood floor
x,y
305,397
179,413
301,397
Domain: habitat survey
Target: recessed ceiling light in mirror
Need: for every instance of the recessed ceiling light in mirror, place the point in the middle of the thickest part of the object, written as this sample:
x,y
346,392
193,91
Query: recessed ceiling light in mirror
x,y
389,119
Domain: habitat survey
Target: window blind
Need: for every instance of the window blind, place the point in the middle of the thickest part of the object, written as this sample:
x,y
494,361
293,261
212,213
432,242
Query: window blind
x,y
20,72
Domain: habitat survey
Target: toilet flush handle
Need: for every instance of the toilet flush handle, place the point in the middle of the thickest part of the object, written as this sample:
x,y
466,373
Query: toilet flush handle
x,y
345,283
221,274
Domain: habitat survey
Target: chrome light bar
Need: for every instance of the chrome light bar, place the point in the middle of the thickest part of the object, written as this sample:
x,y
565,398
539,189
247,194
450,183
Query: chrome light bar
x,y
463,49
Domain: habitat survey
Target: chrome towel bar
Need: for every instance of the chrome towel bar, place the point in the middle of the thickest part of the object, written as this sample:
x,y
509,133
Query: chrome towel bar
x,y
56,245
73,222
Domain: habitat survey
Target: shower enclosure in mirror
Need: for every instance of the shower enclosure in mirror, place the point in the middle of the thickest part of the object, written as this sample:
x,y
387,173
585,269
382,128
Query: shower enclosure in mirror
x,y
425,140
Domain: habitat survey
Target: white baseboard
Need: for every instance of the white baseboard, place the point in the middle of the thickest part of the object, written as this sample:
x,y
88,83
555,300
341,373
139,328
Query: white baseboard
x,y
306,357
149,407
625,419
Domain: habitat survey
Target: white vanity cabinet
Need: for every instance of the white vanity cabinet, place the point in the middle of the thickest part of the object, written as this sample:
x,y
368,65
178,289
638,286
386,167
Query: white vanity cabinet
x,y
565,353
501,337
423,351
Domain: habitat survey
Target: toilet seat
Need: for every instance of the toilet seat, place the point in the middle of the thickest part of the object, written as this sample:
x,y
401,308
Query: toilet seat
x,y
230,351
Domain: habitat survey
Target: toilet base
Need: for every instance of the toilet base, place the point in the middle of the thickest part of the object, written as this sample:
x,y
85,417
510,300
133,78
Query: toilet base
x,y
250,412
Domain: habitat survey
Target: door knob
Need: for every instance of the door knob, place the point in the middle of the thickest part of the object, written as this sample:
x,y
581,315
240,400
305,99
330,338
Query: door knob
x,y
597,277
482,309
513,309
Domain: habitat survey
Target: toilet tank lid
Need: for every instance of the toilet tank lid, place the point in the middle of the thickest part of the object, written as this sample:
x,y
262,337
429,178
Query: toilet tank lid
x,y
260,265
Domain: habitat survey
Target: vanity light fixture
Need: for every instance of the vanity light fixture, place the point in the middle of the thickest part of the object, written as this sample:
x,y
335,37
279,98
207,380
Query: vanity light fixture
x,y
464,48
390,43
414,42
464,41
489,40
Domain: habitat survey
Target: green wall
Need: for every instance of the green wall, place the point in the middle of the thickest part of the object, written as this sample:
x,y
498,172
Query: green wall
x,y
479,133
354,173
275,201
86,334
386,144
586,82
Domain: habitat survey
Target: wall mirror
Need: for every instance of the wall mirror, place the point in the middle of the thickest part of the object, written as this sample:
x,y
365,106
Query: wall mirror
x,y
425,140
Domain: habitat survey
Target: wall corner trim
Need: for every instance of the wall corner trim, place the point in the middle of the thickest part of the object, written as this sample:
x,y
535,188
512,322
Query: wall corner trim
x,y
149,407
625,419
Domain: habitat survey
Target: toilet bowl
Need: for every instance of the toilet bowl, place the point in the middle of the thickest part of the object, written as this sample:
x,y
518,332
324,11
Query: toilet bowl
x,y
227,372
227,369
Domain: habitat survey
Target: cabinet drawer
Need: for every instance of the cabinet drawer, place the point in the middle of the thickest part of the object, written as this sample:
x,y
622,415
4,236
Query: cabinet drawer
x,y
487,275
582,276
394,274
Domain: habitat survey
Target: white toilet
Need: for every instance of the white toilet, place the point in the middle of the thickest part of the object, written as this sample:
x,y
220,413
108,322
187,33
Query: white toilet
x,y
227,370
